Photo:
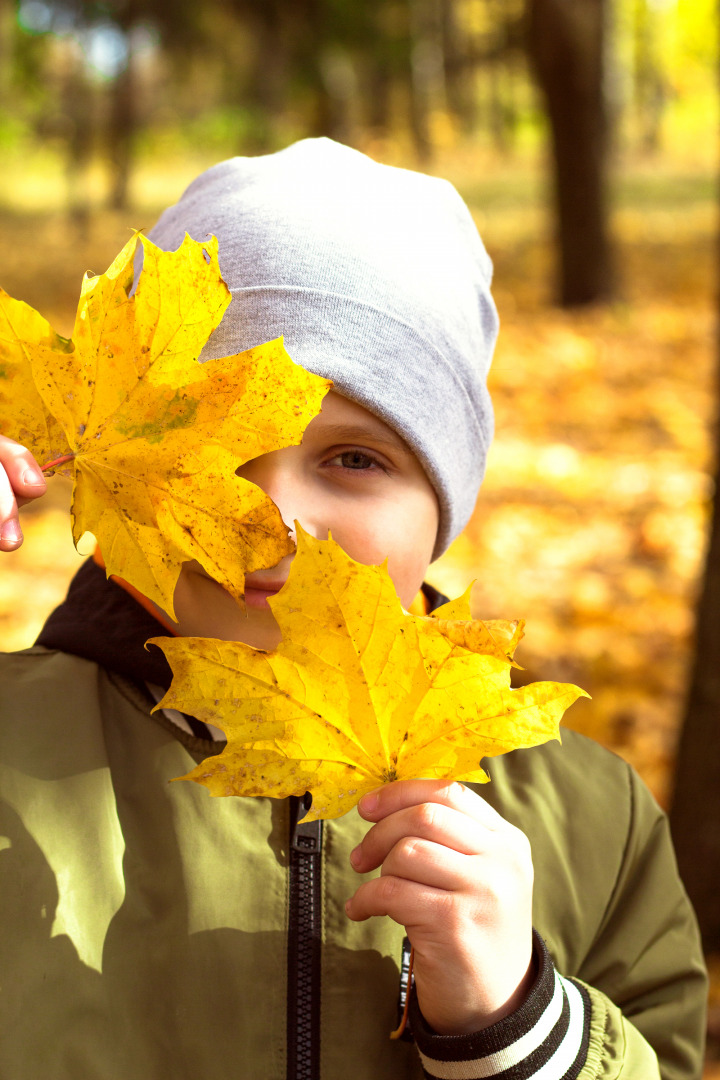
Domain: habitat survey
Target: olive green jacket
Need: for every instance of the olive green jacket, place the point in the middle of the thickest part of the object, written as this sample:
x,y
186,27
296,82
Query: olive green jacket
x,y
143,932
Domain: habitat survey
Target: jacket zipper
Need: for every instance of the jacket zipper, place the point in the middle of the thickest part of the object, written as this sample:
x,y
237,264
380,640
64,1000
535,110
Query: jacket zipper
x,y
304,941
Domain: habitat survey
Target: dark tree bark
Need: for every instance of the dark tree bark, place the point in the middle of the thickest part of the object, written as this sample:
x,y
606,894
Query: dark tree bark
x,y
266,91
565,43
695,810
427,80
458,71
77,104
122,123
378,81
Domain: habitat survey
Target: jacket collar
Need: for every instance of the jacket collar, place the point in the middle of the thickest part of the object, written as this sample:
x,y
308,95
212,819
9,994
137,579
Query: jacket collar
x,y
100,621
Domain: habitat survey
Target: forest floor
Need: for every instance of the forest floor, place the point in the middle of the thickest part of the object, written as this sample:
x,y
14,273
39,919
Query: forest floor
x,y
591,522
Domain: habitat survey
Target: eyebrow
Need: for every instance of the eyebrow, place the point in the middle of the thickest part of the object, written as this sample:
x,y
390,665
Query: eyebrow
x,y
353,432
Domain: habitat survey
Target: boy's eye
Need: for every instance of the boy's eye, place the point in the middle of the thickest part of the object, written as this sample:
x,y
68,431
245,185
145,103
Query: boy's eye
x,y
354,459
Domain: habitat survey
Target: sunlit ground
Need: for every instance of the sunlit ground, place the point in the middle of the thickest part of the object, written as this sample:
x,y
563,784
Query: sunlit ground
x,y
592,518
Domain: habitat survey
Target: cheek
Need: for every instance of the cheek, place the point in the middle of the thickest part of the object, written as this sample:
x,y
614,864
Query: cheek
x,y
405,536
415,542
407,569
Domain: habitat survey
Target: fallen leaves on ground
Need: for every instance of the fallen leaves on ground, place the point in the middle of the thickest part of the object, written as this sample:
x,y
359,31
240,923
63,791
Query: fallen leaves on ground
x,y
359,692
151,437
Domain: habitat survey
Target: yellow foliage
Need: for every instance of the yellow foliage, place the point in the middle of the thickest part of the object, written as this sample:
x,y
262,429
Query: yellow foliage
x,y
359,692
151,437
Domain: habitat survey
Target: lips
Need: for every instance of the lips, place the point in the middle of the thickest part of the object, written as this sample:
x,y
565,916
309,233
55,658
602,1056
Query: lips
x,y
258,590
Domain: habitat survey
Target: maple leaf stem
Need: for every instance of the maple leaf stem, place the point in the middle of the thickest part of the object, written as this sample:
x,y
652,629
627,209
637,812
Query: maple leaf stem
x,y
397,1033
58,461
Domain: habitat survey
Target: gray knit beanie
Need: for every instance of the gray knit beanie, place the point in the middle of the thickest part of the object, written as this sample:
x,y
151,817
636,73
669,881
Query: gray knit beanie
x,y
377,279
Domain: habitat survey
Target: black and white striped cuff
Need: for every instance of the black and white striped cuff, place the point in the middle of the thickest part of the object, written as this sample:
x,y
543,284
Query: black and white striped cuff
x,y
546,1039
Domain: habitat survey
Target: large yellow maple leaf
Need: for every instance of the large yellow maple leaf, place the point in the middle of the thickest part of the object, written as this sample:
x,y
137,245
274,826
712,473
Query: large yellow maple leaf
x,y
151,437
359,692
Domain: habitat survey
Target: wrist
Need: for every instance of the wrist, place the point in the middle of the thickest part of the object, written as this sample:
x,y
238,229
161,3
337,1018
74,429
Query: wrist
x,y
553,1018
478,1017
472,993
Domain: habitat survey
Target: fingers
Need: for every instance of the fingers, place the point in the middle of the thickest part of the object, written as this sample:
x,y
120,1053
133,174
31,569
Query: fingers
x,y
390,798
450,842
431,822
22,470
20,481
419,872
407,902
431,865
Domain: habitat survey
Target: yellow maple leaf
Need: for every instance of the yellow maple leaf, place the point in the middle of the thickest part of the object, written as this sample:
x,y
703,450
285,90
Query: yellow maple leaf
x,y
151,437
359,692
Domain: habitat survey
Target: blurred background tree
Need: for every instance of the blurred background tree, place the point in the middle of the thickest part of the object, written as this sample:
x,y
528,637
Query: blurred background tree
x,y
106,80
582,134
256,72
567,45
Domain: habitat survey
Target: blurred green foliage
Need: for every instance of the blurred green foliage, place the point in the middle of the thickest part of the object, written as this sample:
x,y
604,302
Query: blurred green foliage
x,y
107,83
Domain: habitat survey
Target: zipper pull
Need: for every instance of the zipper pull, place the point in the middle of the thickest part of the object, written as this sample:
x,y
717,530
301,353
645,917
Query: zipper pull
x,y
305,837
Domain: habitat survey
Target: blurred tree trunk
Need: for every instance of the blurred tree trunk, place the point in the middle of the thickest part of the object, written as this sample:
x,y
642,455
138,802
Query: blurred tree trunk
x,y
427,79
266,90
339,88
501,112
7,29
649,84
326,68
378,97
77,102
381,54
458,72
565,43
122,125
695,810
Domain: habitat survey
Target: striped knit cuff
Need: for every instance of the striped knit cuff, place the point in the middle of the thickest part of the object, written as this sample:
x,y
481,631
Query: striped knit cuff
x,y
546,1039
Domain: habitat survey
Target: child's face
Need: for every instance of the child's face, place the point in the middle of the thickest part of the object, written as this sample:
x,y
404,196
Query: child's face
x,y
353,475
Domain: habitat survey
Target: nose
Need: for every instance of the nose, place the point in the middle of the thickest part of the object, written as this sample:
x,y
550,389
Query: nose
x,y
281,475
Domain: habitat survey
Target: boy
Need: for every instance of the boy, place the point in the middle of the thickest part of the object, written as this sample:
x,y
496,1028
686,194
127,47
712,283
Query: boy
x,y
153,932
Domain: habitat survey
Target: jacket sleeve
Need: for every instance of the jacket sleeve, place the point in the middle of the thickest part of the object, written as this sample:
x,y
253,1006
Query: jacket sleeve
x,y
645,968
634,1010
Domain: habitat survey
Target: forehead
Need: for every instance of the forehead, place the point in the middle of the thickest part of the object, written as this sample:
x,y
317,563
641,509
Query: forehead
x,y
346,420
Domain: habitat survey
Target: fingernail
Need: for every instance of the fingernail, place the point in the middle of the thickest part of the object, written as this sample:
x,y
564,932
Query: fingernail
x,y
33,478
11,532
355,855
369,802
347,907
